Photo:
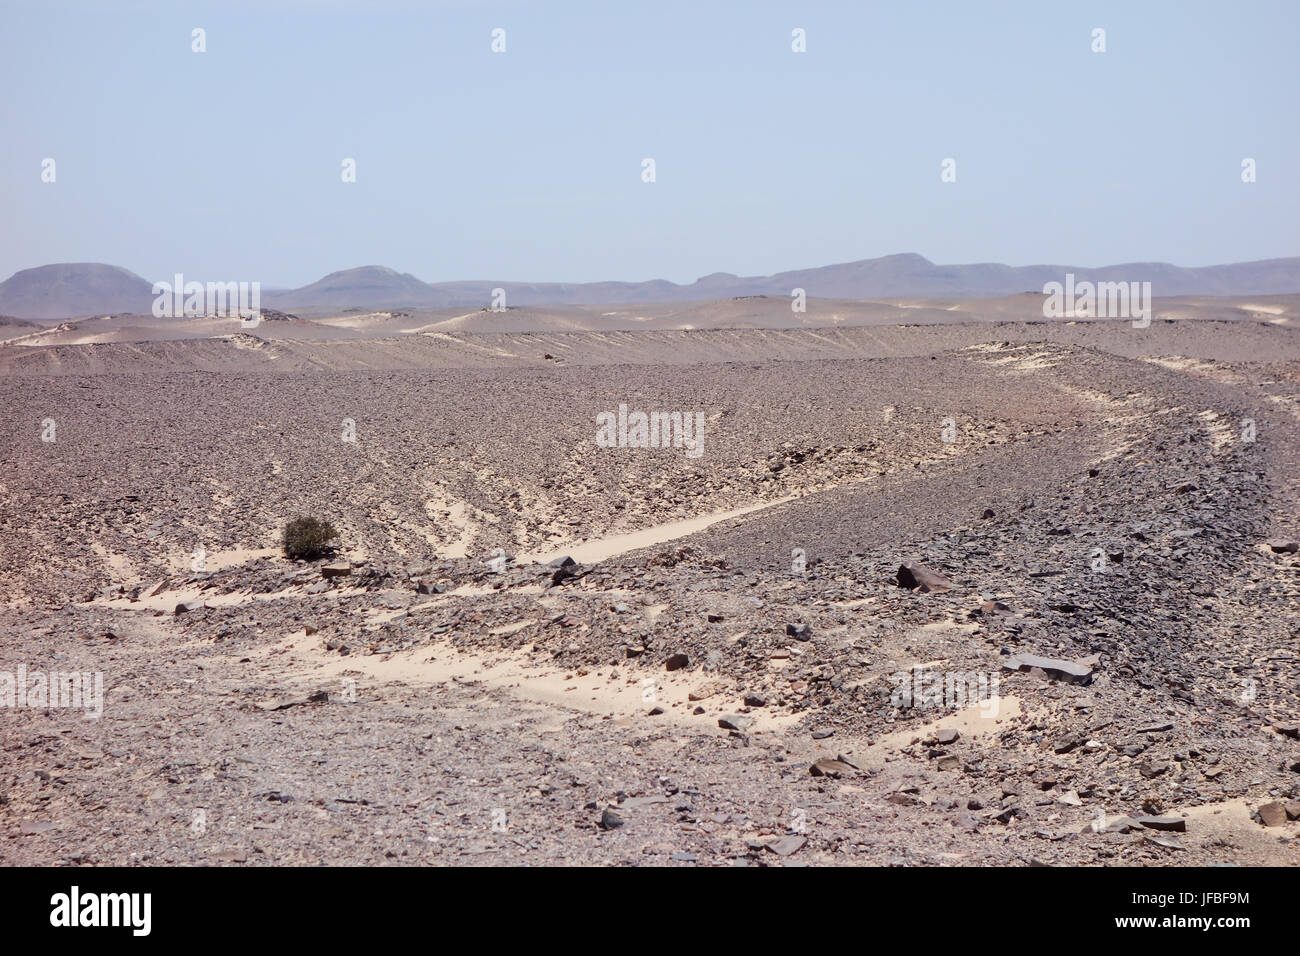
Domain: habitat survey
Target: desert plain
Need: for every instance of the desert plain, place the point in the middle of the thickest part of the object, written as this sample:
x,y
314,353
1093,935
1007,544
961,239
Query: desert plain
x,y
946,584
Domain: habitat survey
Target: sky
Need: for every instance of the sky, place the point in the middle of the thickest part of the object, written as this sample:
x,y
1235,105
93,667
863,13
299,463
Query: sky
x,y
527,165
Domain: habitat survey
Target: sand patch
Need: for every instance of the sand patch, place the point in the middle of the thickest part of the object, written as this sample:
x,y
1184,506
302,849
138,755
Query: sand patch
x,y
1018,358
984,719
456,520
1206,368
625,693
601,549
1228,824
118,566
220,560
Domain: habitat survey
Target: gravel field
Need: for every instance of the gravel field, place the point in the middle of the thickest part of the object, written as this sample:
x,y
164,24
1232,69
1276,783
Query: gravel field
x,y
997,592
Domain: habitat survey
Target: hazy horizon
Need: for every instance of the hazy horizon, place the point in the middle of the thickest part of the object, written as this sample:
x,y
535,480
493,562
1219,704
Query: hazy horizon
x,y
279,287
527,165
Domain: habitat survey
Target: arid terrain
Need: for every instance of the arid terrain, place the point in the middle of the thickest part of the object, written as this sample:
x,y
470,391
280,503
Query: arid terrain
x,y
1100,665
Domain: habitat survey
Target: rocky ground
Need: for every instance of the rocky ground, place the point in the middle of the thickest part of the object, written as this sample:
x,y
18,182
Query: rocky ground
x,y
1097,660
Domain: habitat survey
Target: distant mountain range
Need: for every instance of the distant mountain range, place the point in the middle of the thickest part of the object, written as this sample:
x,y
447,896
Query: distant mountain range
x,y
70,290
73,289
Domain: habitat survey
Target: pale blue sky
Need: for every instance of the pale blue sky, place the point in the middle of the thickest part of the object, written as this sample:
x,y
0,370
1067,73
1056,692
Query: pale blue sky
x,y
527,165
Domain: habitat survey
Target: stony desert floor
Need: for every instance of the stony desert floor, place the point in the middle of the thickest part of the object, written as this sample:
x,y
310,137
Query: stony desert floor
x,y
717,678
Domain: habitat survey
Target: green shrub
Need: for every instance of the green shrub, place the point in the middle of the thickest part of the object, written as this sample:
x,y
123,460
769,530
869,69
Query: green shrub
x,y
308,538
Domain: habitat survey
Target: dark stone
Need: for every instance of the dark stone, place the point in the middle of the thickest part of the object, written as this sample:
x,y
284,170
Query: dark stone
x,y
1064,745
996,609
565,569
1153,768
609,820
917,577
1172,824
1155,729
829,768
1272,814
737,722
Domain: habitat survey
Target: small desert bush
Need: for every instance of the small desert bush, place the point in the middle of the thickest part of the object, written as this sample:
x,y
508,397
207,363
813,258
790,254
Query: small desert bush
x,y
308,538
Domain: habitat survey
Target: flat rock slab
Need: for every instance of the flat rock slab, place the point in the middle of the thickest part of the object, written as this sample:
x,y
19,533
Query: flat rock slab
x,y
1272,814
787,845
1169,824
917,577
1166,841
637,803
1137,824
1070,671
320,697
